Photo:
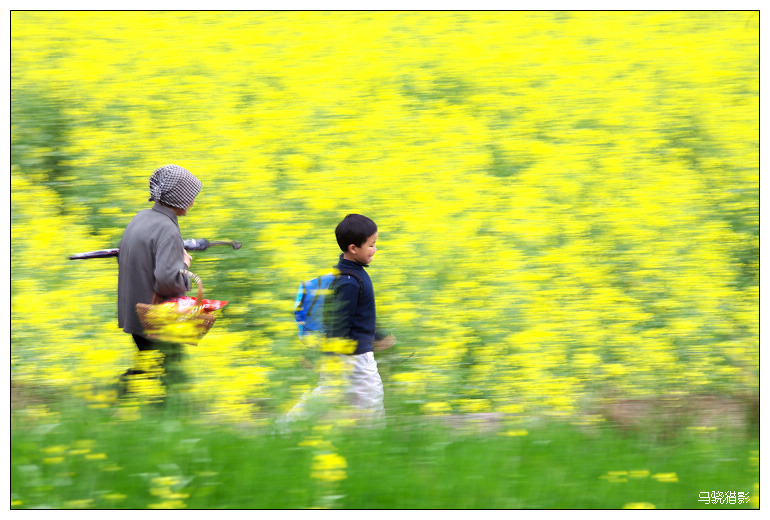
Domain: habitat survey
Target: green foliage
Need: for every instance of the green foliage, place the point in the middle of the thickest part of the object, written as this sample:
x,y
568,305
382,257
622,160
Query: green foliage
x,y
92,459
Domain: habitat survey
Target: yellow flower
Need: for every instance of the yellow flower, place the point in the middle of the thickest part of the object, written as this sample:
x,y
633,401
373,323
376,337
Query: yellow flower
x,y
616,476
96,456
79,504
639,505
315,443
516,433
666,477
704,429
82,451
328,467
473,405
160,491
436,408
54,450
338,345
168,504
166,481
512,408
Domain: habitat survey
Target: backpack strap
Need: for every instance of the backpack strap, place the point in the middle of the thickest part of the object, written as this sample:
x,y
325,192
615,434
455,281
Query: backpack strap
x,y
318,290
357,277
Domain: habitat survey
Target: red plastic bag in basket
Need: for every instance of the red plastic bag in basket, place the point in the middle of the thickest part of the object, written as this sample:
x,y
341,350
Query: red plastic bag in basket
x,y
186,303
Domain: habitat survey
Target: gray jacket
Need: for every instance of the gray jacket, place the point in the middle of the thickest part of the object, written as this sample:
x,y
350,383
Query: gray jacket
x,y
151,255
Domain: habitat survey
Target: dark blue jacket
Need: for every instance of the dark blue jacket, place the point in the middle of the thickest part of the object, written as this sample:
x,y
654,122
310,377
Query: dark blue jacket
x,y
352,313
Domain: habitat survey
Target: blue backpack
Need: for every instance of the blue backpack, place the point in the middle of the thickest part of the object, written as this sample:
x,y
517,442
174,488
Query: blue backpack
x,y
308,307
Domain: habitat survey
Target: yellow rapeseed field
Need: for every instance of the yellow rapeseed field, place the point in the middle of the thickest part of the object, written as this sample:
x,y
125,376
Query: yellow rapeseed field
x,y
567,202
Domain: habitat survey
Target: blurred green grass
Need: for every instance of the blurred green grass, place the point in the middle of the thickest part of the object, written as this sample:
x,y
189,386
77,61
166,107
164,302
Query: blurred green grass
x,y
88,459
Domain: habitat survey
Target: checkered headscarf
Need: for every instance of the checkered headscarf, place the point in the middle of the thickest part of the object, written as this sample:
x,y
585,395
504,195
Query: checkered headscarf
x,y
172,185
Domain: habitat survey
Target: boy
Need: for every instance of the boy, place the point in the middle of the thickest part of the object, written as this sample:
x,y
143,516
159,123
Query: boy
x,y
353,314
349,314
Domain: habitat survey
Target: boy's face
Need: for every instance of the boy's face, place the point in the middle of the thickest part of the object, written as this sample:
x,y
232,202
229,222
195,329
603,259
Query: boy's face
x,y
365,253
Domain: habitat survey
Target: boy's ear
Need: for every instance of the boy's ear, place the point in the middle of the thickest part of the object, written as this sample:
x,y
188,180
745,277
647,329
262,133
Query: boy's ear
x,y
350,249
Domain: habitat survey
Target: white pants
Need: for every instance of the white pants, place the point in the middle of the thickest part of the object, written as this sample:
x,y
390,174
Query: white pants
x,y
365,388
356,376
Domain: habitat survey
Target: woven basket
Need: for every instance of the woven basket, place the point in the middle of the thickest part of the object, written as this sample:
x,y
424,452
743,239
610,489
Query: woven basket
x,y
167,323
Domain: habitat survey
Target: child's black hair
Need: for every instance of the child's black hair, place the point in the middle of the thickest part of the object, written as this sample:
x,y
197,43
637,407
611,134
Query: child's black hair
x,y
354,229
